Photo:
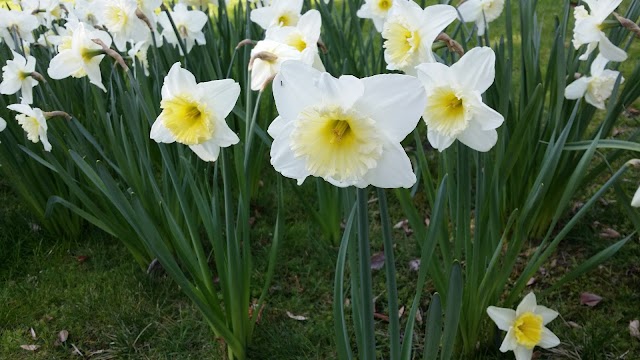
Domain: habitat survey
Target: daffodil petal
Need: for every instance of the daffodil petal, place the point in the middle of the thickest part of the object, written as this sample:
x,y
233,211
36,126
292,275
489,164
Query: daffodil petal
x,y
528,304
635,202
476,69
394,101
522,353
502,317
393,169
486,117
438,141
547,314
220,95
610,51
434,74
284,160
345,90
160,133
509,343
576,89
477,138
548,339
294,88
469,10
207,151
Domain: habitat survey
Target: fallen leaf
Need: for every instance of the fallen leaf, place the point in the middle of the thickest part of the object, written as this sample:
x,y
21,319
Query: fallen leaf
x,y
377,261
296,317
574,325
63,336
531,281
419,316
30,347
609,233
33,333
381,317
401,312
82,258
634,328
400,224
414,265
589,299
76,351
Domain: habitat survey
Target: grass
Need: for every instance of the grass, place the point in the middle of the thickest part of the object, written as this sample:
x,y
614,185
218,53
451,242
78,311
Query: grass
x,y
113,310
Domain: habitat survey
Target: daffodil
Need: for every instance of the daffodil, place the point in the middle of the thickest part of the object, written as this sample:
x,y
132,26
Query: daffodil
x,y
16,75
119,17
346,130
139,52
22,22
376,10
266,58
589,26
482,12
189,24
303,37
454,107
86,11
79,56
194,113
46,11
595,88
410,31
33,122
635,202
525,327
278,13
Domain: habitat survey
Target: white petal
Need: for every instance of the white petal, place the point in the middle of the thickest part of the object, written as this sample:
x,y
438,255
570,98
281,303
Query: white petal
x,y
476,69
522,353
509,343
528,304
395,102
160,133
439,141
207,151
477,138
344,91
93,72
262,16
486,117
10,86
590,47
310,23
433,75
502,317
277,126
223,135
610,51
470,10
598,65
221,95
178,81
63,65
548,339
22,108
635,202
294,88
436,18
598,103
576,89
547,314
3,124
393,169
284,160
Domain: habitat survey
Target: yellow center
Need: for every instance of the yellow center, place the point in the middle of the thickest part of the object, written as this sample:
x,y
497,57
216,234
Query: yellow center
x,y
528,329
335,143
116,18
445,112
384,5
402,42
31,126
287,19
297,41
188,120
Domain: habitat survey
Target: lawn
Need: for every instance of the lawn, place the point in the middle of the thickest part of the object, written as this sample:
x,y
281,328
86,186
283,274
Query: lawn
x,y
110,308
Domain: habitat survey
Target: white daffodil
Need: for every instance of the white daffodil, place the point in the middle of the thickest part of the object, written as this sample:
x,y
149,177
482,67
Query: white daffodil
x,y
525,327
46,11
635,202
410,31
347,130
595,88
278,13
194,114
22,22
266,58
86,11
454,107
588,29
189,24
119,17
376,10
303,37
79,56
139,52
16,75
482,12
33,122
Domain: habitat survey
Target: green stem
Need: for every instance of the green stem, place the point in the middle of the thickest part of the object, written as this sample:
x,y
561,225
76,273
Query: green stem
x,y
366,293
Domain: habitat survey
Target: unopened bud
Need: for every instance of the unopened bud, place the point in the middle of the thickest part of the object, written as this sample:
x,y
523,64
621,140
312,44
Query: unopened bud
x,y
112,53
451,44
38,76
264,56
245,42
144,18
49,114
628,24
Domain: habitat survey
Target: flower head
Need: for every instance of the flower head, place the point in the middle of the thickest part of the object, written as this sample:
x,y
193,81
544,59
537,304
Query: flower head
x,y
595,88
346,130
376,10
409,33
189,24
16,75
23,22
119,17
588,29
302,37
454,107
33,122
278,13
194,113
266,58
482,12
525,327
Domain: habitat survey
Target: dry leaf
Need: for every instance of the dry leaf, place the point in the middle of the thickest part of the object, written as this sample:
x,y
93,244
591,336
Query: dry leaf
x,y
33,333
634,328
609,233
414,265
82,258
377,261
574,325
30,347
589,299
63,336
401,312
400,224
531,281
381,317
296,317
419,316
76,351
